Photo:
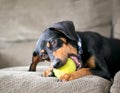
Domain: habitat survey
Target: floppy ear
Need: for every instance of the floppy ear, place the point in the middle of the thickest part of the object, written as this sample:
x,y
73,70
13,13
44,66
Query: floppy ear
x,y
67,28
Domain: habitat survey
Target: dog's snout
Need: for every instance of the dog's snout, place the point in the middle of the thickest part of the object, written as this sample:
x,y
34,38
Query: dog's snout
x,y
57,63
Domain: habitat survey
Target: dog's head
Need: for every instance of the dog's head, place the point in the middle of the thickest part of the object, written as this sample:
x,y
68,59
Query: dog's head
x,y
57,44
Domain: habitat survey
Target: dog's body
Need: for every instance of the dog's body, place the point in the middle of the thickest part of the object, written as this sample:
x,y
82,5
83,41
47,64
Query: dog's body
x,y
92,53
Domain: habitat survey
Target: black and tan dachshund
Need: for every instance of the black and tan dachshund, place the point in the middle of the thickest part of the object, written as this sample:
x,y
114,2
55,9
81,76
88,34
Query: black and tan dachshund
x,y
92,53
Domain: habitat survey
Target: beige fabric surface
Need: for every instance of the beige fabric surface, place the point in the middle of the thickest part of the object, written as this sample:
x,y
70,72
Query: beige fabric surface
x,y
19,80
25,19
116,18
16,54
116,84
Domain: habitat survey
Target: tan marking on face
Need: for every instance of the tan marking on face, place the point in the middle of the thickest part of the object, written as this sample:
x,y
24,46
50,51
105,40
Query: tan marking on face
x,y
91,62
64,40
42,51
48,44
62,53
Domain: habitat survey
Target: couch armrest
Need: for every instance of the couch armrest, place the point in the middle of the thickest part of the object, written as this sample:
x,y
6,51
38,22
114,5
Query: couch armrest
x,y
115,88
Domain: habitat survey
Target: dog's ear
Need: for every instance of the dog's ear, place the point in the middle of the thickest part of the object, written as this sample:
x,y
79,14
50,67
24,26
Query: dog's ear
x,y
67,28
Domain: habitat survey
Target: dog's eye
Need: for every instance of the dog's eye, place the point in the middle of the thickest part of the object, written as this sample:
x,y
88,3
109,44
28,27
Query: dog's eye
x,y
53,42
44,55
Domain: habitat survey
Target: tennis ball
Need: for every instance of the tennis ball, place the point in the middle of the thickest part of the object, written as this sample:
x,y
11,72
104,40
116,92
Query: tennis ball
x,y
69,67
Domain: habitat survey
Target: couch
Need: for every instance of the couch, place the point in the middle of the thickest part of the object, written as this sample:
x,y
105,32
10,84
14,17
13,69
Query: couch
x,y
19,80
22,21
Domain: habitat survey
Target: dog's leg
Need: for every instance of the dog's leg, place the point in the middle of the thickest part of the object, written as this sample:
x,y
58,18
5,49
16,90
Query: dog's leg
x,y
48,72
35,60
76,74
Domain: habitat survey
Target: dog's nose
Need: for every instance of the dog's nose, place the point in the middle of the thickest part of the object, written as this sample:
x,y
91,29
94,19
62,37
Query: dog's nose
x,y
56,63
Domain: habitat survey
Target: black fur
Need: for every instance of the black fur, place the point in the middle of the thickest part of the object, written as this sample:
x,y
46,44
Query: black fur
x,y
106,51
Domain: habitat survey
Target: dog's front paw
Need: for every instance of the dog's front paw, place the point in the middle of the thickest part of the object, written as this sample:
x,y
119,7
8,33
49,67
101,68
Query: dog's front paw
x,y
48,72
67,77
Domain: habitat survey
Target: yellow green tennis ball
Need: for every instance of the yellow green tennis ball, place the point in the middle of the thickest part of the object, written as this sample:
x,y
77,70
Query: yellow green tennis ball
x,y
69,67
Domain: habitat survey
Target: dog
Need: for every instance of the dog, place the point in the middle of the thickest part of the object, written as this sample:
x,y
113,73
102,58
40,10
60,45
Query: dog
x,y
92,53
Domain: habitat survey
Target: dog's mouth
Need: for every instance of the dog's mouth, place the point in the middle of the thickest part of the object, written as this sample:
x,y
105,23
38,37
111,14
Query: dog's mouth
x,y
57,63
77,61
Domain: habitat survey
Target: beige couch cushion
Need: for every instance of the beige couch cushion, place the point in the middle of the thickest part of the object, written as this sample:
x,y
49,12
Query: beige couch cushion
x,y
19,80
116,84
25,19
116,18
16,54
